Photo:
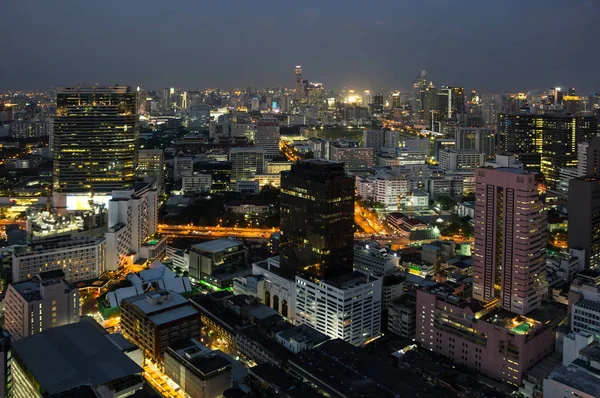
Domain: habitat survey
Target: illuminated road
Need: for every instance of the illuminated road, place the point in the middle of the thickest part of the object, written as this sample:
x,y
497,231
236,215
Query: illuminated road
x,y
369,221
192,231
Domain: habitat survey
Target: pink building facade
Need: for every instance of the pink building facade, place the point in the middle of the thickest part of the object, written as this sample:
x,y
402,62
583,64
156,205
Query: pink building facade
x,y
510,240
490,340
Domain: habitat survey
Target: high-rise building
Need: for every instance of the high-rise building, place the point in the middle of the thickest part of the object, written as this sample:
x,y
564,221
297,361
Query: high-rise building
x,y
584,217
45,301
418,91
510,240
367,98
584,303
167,105
377,105
246,163
554,136
95,140
592,157
451,101
374,139
132,225
267,136
582,158
151,163
482,140
317,220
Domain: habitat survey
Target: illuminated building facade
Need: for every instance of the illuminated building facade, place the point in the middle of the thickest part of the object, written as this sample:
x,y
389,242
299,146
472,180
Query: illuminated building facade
x,y
151,163
554,137
510,240
317,220
267,136
95,139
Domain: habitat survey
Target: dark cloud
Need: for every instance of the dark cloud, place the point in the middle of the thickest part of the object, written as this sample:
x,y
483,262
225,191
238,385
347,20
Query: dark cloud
x,y
489,46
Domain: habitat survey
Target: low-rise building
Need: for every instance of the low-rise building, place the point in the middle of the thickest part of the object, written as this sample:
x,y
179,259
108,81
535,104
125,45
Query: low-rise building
x,y
247,207
217,262
196,183
28,161
79,258
157,319
61,359
374,259
199,371
402,315
45,301
300,338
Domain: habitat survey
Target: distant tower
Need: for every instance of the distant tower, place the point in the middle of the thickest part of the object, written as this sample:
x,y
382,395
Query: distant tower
x,y
299,88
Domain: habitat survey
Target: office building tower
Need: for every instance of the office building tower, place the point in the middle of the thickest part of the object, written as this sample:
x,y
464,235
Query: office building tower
x,y
57,361
45,301
391,139
299,87
374,139
132,227
584,217
155,320
482,140
592,157
151,163
418,91
553,136
377,105
582,158
510,240
367,98
183,166
95,141
167,105
254,105
267,136
79,258
246,163
355,296
317,220
451,101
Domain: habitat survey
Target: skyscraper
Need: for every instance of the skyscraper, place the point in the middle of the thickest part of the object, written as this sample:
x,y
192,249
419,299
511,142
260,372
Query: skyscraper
x,y
584,218
482,140
554,137
317,220
267,136
95,140
418,91
151,163
510,240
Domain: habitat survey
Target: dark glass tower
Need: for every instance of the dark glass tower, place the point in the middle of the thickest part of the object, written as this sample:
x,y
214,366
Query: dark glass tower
x,y
95,139
553,136
317,220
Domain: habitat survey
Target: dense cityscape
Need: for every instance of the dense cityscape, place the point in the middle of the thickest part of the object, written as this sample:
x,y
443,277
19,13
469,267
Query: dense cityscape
x,y
309,240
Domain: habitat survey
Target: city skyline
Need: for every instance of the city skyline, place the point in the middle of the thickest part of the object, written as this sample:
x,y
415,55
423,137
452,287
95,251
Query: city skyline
x,y
215,46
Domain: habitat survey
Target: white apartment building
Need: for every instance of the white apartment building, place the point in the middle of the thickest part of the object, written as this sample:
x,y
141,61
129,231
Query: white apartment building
x,y
79,258
196,183
267,136
386,187
347,307
132,219
463,159
584,302
42,302
246,163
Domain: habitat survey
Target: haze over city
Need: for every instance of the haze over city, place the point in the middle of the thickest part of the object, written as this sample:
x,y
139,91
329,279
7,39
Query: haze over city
x,y
505,46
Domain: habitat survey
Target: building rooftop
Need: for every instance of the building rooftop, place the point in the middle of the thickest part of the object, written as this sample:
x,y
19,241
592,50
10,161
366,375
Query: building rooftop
x,y
303,333
217,245
30,289
174,314
163,301
350,280
578,379
62,243
63,358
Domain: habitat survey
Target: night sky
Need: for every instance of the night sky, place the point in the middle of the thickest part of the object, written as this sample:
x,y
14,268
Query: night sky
x,y
491,46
